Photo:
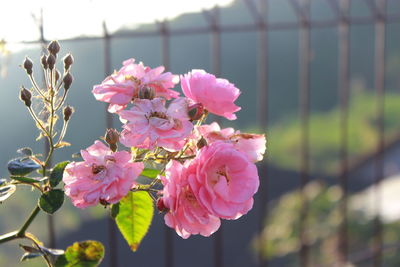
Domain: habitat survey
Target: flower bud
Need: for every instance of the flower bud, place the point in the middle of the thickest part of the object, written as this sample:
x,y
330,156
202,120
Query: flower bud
x,y
195,111
43,60
28,65
161,206
51,61
25,96
57,75
147,93
53,47
68,61
68,110
112,136
201,143
68,79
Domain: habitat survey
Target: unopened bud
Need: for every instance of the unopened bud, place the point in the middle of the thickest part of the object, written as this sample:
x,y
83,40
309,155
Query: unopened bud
x,y
43,60
68,110
67,80
28,65
195,111
53,47
68,61
25,96
201,143
161,206
147,93
57,75
112,136
51,61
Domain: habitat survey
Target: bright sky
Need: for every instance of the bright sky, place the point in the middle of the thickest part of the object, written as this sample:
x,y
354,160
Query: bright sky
x,y
64,19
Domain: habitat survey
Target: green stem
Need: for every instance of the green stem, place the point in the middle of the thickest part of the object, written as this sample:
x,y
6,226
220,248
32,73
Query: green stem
x,y
28,222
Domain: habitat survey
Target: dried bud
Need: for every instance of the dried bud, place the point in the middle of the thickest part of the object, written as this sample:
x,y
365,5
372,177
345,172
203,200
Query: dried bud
x,y
51,61
103,202
161,206
25,96
147,93
112,136
201,143
28,65
43,60
195,111
57,75
68,79
68,61
53,47
68,110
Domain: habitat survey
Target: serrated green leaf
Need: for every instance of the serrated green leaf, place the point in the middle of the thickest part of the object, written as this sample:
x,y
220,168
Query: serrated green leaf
x,y
82,254
51,201
57,173
150,173
6,191
134,217
22,166
24,179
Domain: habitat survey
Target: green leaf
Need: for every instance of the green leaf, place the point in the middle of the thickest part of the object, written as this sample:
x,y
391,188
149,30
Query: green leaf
x,y
82,254
22,166
24,179
150,173
114,210
134,217
29,255
6,191
57,173
51,201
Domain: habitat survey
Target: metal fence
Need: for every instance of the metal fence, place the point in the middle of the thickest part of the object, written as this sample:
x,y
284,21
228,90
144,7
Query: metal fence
x,y
343,21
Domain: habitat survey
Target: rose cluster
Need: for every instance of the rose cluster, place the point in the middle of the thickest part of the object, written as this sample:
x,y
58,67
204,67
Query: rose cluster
x,y
207,173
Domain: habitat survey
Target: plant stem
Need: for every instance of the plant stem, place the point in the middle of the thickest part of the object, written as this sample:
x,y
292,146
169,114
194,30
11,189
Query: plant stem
x,y
28,222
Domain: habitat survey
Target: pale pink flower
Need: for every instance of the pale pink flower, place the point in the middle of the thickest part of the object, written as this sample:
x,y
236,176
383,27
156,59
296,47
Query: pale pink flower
x,y
103,176
215,94
123,86
185,214
223,180
150,124
253,145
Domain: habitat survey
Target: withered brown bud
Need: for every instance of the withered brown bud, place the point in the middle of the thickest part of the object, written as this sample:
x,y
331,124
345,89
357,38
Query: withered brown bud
x,y
68,79
68,110
195,111
68,61
51,61
147,93
25,96
57,75
112,136
53,47
43,60
201,143
28,65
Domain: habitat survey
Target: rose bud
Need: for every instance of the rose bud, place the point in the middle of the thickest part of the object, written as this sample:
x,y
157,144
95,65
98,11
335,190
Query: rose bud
x,y
51,61
28,65
147,93
68,79
112,136
25,96
57,75
201,143
161,206
53,47
195,111
43,60
68,61
68,110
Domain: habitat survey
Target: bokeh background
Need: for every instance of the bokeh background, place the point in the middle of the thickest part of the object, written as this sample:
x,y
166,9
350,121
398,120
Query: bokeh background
x,y
319,77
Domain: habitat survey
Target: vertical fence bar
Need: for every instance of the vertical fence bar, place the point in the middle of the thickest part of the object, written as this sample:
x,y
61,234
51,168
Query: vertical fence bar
x,y
165,53
112,231
302,9
380,32
343,88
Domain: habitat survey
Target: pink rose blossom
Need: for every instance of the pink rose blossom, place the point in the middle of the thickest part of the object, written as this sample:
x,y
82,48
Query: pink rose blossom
x,y
121,87
150,124
253,145
102,176
215,94
223,180
185,214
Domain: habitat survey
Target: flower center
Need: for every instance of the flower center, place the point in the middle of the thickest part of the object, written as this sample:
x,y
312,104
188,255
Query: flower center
x,y
160,115
97,168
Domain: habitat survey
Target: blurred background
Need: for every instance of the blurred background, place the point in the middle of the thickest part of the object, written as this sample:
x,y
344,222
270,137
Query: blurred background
x,y
319,77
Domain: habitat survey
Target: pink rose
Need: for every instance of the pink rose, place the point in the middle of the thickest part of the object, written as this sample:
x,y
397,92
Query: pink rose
x,y
253,145
150,124
216,95
185,214
123,86
102,176
223,180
